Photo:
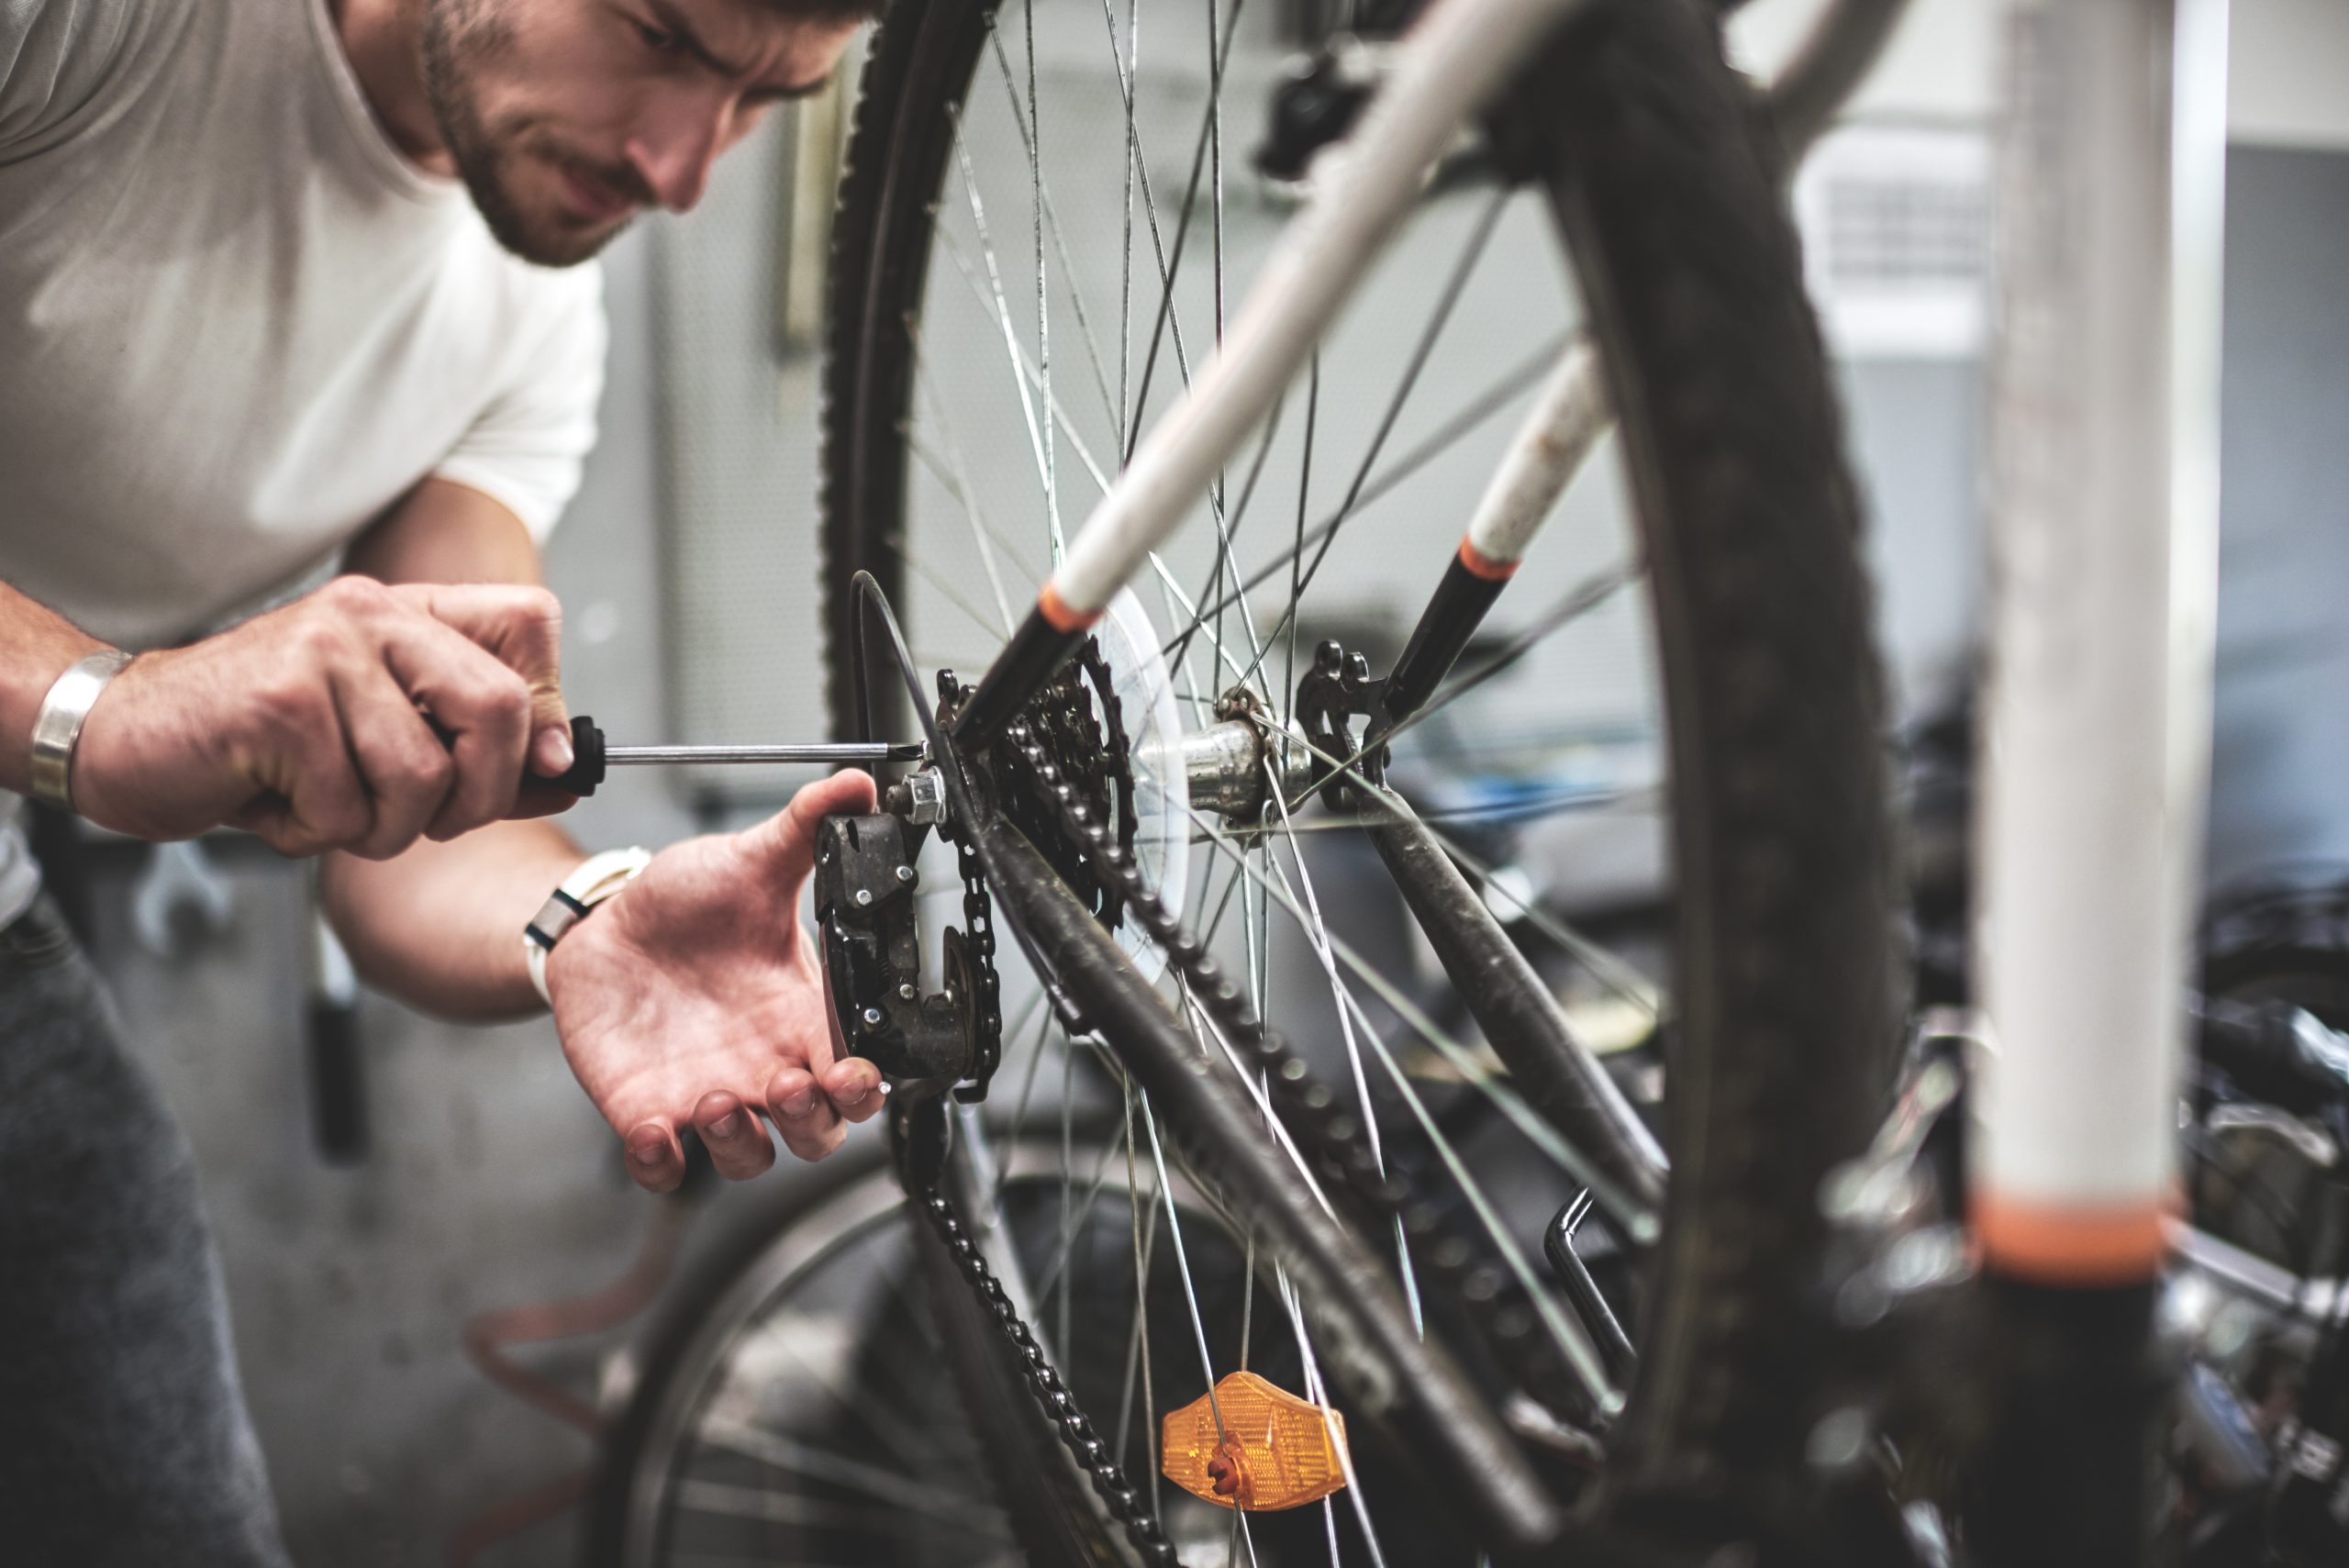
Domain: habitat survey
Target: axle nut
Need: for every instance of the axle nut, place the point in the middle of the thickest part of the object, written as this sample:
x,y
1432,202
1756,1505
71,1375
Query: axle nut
x,y
925,792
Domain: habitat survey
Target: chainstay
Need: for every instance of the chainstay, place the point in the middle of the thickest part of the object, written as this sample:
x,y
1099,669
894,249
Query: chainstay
x,y
1496,1302
1125,1505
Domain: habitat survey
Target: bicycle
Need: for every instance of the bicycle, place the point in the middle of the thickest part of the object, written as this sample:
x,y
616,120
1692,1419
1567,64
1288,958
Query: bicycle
x,y
1472,1394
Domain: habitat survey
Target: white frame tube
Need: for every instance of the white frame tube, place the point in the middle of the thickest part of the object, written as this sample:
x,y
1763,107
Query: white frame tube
x,y
2095,741
1458,55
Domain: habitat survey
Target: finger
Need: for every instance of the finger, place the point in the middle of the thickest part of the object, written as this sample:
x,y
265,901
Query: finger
x,y
310,795
539,799
483,706
787,842
810,1127
655,1161
735,1137
522,627
406,774
854,1088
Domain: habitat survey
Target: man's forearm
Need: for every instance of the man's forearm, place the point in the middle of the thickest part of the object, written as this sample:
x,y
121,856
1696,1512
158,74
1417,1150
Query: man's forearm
x,y
36,645
440,927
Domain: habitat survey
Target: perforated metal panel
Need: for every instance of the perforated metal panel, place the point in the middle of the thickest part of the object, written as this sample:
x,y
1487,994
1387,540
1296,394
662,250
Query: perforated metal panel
x,y
1896,227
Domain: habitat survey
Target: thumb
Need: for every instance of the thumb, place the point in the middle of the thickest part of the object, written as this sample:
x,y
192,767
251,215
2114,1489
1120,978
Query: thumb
x,y
786,842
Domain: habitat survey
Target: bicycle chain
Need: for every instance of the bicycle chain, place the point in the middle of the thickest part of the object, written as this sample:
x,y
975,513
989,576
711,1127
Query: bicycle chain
x,y
1053,1396
1497,1303
1076,1434
978,933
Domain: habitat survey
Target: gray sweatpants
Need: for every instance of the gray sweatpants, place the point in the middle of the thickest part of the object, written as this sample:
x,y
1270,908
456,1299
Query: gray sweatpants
x,y
124,1438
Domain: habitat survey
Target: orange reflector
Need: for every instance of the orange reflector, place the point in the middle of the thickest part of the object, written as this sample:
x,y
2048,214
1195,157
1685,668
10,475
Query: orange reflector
x,y
1274,1451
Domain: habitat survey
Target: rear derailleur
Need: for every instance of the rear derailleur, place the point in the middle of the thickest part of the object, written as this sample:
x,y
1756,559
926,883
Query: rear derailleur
x,y
867,878
865,885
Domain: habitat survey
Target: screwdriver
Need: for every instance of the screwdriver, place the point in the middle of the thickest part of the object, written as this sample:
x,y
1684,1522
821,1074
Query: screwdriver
x,y
593,756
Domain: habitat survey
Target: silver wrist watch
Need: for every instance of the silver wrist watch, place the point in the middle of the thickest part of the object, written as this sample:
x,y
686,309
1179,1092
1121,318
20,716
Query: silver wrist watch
x,y
58,726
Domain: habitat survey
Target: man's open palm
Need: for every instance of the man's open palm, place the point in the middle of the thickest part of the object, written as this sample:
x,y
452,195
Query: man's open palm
x,y
696,998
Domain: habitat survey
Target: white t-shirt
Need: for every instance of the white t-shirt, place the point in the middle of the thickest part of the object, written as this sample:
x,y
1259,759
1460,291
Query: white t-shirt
x,y
236,324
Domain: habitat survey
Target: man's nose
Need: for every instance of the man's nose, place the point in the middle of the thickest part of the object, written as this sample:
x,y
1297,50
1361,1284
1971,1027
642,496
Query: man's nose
x,y
672,152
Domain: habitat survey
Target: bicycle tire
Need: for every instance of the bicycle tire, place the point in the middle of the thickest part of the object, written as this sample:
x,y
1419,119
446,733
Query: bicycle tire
x,y
751,1276
1782,839
1655,159
621,1519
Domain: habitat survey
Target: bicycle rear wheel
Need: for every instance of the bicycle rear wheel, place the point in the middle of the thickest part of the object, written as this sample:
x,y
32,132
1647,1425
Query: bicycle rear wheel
x,y
1750,618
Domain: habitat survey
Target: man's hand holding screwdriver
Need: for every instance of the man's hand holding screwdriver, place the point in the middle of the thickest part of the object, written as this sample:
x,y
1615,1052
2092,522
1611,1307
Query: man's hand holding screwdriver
x,y
361,717
365,718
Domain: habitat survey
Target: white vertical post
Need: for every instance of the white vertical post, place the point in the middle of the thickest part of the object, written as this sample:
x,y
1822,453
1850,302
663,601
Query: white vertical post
x,y
2104,544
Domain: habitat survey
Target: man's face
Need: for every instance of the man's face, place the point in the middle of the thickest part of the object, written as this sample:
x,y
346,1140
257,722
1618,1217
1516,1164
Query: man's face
x,y
566,116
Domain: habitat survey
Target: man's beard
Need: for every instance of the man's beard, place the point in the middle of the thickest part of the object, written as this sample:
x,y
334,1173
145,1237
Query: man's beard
x,y
461,37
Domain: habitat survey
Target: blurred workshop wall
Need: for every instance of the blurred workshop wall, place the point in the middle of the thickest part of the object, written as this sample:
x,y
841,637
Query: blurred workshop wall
x,y
2281,774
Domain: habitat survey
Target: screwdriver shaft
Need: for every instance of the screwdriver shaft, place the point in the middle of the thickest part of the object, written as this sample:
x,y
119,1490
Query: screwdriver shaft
x,y
830,751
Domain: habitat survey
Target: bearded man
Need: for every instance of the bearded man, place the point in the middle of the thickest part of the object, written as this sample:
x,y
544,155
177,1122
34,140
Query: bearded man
x,y
279,281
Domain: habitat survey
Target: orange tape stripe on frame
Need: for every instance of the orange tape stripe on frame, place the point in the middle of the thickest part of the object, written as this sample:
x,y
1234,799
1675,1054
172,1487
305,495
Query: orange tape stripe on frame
x,y
2071,1245
1055,609
1479,564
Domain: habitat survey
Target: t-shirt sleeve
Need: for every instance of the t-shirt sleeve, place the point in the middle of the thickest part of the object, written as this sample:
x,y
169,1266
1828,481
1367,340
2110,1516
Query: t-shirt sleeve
x,y
532,438
57,60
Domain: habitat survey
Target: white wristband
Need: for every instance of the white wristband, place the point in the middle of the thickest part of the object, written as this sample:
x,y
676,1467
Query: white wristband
x,y
597,879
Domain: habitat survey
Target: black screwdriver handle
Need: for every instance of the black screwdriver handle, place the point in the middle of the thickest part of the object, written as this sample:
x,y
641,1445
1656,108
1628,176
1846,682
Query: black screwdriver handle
x,y
586,769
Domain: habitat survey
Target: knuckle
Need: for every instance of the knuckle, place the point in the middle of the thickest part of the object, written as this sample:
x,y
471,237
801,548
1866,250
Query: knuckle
x,y
289,840
318,638
538,604
283,705
351,594
511,703
430,771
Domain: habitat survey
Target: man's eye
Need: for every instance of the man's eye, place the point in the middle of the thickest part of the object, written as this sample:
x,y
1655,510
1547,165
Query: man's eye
x,y
656,39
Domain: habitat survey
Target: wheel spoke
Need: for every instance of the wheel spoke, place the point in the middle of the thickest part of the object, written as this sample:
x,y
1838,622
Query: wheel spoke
x,y
946,590
1031,375
917,1494
1001,308
1437,319
1182,1265
1318,1390
1520,379
959,486
1051,218
1167,315
1043,282
1145,1234
1560,802
1642,1224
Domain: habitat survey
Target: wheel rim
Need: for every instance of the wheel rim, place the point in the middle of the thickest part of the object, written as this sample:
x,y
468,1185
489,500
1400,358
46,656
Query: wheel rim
x,y
904,454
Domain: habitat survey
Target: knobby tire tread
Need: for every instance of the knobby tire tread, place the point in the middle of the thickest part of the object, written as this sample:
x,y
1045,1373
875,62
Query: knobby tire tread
x,y
1692,274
